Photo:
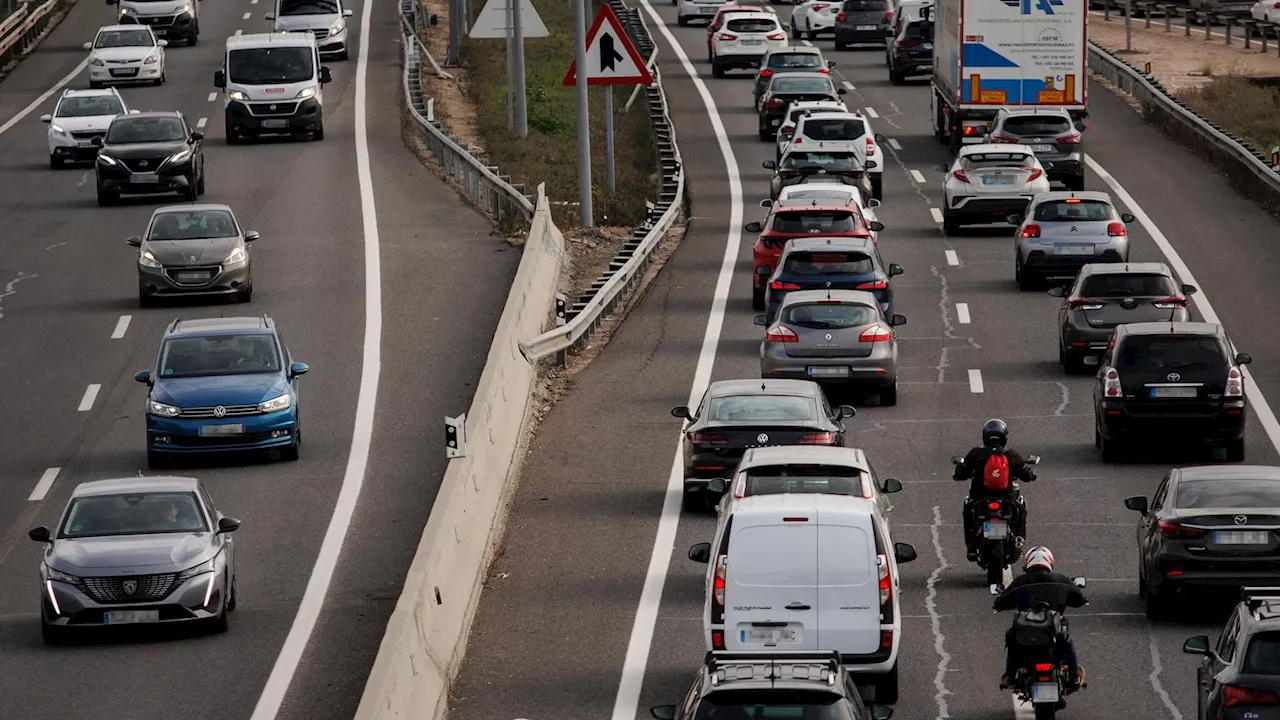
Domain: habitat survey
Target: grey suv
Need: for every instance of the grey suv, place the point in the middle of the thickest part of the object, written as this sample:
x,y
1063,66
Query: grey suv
x,y
1052,134
862,21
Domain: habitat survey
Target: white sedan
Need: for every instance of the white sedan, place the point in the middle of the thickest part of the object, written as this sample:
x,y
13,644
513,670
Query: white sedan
x,y
814,16
744,39
987,183
79,117
829,193
125,54
832,129
1266,11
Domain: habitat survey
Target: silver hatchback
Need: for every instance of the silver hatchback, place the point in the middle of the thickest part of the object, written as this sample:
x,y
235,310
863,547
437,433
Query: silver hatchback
x,y
835,338
1064,231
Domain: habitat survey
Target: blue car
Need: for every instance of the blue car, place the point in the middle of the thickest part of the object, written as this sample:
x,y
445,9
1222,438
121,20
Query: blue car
x,y
835,263
222,385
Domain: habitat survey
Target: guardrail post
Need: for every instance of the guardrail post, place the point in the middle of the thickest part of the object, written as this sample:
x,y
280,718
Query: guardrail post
x,y
1208,26
1146,16
1168,18
1248,33
1106,10
1263,33
1186,25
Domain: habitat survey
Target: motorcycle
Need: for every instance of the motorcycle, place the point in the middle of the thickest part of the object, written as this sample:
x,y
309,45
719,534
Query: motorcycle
x,y
1042,678
999,547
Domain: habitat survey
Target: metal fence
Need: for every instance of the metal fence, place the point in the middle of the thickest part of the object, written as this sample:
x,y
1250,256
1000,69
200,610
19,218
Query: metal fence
x,y
20,32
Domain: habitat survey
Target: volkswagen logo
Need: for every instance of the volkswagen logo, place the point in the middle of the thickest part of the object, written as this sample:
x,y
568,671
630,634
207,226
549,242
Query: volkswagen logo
x,y
142,163
129,586
1241,519
1174,377
828,337
271,107
762,438
219,411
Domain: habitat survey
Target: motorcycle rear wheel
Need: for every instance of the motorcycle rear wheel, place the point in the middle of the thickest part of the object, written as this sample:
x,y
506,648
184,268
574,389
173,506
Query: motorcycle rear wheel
x,y
1046,711
994,560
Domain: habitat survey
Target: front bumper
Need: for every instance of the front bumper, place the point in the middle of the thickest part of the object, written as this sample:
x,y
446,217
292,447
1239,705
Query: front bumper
x,y
289,116
330,44
260,432
134,72
116,178
1041,262
157,282
1192,422
70,149
75,608
182,26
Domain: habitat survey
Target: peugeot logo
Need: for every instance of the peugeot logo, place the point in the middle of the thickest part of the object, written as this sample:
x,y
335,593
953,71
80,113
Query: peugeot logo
x,y
762,438
219,411
142,163
1174,377
193,258
828,337
129,586
1241,519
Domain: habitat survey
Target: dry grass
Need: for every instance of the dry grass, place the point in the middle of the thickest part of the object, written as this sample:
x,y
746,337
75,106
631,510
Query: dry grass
x,y
1244,108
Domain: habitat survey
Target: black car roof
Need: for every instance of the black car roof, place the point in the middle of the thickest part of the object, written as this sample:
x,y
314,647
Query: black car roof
x,y
1229,472
721,388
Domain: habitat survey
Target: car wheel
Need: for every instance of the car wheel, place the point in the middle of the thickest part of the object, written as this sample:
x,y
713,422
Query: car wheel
x,y
292,452
1075,184
245,295
94,85
889,395
221,623
717,70
55,162
1097,438
159,81
795,33
144,300
156,460
840,45
344,55
757,298
813,34
191,192
106,197
950,225
1072,363
234,595
877,186
318,134
1062,355
1235,450
681,21
191,41
52,634
886,687
1026,280
1157,605
893,77
694,501
1112,452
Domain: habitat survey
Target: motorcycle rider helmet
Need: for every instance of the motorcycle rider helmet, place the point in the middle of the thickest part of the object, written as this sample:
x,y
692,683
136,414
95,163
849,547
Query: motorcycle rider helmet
x,y
1037,557
995,433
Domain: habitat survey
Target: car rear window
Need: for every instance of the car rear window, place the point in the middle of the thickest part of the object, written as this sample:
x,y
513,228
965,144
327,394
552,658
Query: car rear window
x,y
833,128
1036,124
779,479
866,5
1067,211
763,408
1263,657
829,316
825,196
752,25
1120,286
815,221
981,161
829,161
918,30
795,60
829,263
1171,353
785,84
1227,493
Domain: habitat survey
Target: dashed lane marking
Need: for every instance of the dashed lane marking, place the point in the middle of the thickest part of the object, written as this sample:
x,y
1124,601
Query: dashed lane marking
x,y
952,258
42,487
892,143
917,176
871,112
937,214
122,327
975,381
962,313
90,394
212,96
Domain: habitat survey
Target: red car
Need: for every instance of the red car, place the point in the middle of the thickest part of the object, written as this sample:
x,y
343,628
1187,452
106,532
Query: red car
x,y
719,19
799,219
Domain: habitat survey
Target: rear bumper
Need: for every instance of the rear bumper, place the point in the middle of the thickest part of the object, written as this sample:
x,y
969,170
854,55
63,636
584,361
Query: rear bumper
x,y
1042,263
1068,168
986,210
1117,421
847,34
913,66
702,467
1175,571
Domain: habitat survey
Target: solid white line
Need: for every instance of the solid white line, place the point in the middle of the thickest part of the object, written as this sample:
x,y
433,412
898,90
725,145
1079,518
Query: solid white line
x,y
633,668
44,96
975,381
871,112
892,143
936,213
246,16
952,258
962,313
917,176
42,487
90,394
1257,400
212,96
304,623
849,86
238,31
122,327
202,122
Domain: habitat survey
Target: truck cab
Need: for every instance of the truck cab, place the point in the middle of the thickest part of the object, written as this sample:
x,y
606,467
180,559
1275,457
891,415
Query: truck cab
x,y
272,85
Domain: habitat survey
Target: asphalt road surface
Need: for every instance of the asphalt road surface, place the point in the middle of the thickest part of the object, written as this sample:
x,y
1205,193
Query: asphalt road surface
x,y
584,618
69,323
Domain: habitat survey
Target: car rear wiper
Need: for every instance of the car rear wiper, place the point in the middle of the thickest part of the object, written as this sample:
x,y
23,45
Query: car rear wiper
x,y
1185,365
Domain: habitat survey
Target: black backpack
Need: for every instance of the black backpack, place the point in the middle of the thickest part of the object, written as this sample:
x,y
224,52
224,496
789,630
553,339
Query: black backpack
x,y
1038,628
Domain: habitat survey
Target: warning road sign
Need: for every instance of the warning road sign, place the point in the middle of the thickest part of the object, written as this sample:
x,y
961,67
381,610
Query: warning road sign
x,y
611,57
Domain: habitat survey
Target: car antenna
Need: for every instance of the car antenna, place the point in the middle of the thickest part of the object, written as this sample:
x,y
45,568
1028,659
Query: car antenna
x,y
762,386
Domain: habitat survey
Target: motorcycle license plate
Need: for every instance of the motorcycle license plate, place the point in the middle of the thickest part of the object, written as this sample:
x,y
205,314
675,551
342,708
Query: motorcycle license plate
x,y
995,529
1044,693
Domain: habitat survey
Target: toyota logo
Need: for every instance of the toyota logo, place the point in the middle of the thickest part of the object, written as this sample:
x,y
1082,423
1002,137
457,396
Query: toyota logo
x,y
219,411
828,337
1240,519
1174,377
762,438
129,586
142,163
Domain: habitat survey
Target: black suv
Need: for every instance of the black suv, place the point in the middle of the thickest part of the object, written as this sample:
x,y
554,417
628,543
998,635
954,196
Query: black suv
x,y
148,154
772,684
1240,677
789,88
911,52
1170,381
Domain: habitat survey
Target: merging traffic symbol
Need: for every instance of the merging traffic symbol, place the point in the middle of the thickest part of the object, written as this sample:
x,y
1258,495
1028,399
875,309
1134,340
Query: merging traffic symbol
x,y
612,59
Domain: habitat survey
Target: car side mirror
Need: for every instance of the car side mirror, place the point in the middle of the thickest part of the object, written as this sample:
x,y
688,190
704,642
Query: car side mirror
x,y
133,241
769,165
875,225
904,552
761,320
269,16
841,91
766,203
143,376
1014,219
895,270
700,553
941,167
717,485
228,524
297,369
197,135
220,79
1188,289
891,485
87,46
162,43
881,712
96,141
754,227
846,411
39,534
873,203
831,63
1198,645
1243,358
1081,127
1137,503
897,320
46,118
663,712
682,412
326,76
347,13
251,235
1057,291
1127,217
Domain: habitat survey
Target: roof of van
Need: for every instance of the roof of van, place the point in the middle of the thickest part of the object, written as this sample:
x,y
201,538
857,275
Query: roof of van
x,y
799,504
293,39
805,454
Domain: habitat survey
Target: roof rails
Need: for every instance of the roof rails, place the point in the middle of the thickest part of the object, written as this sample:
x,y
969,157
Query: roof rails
x,y
1255,597
772,665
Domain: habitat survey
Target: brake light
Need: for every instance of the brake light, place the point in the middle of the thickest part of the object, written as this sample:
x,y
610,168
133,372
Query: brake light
x,y
1233,696
1116,229
721,562
1003,139
1035,174
1079,303
717,639
971,130
1031,231
1235,383
1044,667
776,285
886,639
871,147
766,73
1174,530
1171,303
702,438
886,582
840,17
908,42
823,71
960,176
822,438
876,333
877,285
993,506
726,36
888,15
773,103
1072,139
776,36
821,6
1112,386
781,333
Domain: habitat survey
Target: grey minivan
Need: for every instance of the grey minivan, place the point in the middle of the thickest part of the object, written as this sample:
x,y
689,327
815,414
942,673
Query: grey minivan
x,y
326,19
862,21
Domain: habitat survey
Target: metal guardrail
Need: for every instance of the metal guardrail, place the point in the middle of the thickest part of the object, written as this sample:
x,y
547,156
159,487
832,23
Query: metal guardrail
x,y
629,266
23,29
1211,19
500,199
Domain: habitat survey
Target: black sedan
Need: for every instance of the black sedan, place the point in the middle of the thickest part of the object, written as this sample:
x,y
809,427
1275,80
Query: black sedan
x,y
1239,677
1210,527
736,415
149,154
788,88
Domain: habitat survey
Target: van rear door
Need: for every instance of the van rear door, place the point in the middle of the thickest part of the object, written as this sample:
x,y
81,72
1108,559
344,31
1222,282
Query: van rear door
x,y
848,585
771,585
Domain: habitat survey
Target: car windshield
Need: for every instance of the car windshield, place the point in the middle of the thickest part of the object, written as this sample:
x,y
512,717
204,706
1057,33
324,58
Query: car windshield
x,y
825,479
986,161
1263,657
129,129
269,66
814,221
763,408
829,161
866,5
1170,352
133,514
752,25
309,7
1228,493
124,38
780,61
1077,211
89,106
192,225
829,263
218,355
829,316
1036,124
1122,286
773,705
833,128
789,84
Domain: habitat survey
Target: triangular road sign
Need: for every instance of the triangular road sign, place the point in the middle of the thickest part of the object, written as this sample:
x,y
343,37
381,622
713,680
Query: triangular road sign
x,y
611,57
491,23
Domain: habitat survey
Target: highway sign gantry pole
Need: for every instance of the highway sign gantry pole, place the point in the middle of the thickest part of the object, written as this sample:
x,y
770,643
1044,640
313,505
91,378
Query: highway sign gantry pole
x,y
513,20
585,213
522,109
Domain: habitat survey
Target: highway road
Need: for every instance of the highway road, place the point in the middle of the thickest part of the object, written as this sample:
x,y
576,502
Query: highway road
x,y
593,609
354,285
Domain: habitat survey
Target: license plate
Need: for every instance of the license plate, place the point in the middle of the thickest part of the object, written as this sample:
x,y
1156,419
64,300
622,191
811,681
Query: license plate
x,y
866,27
995,529
124,72
1043,148
1174,392
84,144
752,43
144,178
1073,250
191,276
927,46
275,123
707,10
1242,537
219,430
829,371
997,180
1044,693
769,636
130,617
775,123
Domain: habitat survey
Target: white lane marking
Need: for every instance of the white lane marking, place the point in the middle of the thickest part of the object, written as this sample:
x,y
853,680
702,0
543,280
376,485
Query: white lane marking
x,y
1258,401
202,122
975,381
42,487
238,31
962,313
627,701
246,16
122,327
952,258
253,2
212,96
871,112
806,43
24,112
917,176
892,143
1154,678
304,623
849,86
90,394
936,213
935,618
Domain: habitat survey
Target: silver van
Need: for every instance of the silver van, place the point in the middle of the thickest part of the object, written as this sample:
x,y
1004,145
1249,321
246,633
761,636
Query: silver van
x,y
326,19
172,20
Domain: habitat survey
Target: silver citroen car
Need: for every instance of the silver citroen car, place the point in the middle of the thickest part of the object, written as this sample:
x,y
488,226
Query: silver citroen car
x,y
1063,231
137,551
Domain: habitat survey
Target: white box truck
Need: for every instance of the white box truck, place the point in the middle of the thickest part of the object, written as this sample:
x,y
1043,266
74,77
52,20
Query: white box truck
x,y
990,54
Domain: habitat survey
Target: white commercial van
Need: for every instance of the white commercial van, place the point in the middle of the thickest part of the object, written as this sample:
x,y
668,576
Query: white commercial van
x,y
325,19
807,572
272,86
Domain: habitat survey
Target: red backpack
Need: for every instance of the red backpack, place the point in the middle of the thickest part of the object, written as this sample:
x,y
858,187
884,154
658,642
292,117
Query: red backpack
x,y
995,475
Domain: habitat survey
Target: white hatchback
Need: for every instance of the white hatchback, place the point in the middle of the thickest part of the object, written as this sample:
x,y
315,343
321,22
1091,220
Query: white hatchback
x,y
814,16
987,183
125,54
78,118
843,130
794,111
689,10
1266,11
743,39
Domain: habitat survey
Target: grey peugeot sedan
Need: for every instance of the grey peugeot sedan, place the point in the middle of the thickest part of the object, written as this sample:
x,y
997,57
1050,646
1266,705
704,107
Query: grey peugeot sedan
x,y
834,338
1064,231
198,250
137,551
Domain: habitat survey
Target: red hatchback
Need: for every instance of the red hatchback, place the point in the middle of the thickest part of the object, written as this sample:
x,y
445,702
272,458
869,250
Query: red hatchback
x,y
787,221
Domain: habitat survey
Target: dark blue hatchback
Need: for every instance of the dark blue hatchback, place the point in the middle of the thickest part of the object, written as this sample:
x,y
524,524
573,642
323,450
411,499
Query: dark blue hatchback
x,y
839,263
222,385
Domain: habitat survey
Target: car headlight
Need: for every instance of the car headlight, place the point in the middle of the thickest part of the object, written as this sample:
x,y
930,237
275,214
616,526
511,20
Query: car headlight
x,y
126,11
337,27
237,257
180,157
305,93
57,130
146,259
162,410
276,404
106,159
152,59
97,62
61,576
183,9
237,95
202,568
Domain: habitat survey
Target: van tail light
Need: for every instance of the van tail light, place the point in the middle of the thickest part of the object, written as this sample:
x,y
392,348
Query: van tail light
x,y
970,130
822,438
1171,303
1031,231
1233,696
1112,386
1079,303
726,36
1035,175
766,73
886,639
1116,229
1003,139
782,334
871,147
1174,530
886,582
717,639
721,562
1235,383
1072,139
876,333
876,285
773,103
702,438
777,285
960,176
840,17
776,36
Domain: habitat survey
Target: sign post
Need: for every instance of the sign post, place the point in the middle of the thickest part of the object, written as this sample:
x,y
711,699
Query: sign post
x,y
513,20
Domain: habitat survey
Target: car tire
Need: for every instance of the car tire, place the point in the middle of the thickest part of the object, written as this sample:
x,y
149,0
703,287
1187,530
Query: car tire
x,y
200,182
795,33
1156,605
681,21
55,162
318,134
1097,438
1112,451
107,198
757,298
94,85
894,77
52,634
1235,450
717,69
889,395
886,687
811,35
841,46
1072,363
765,135
950,226
694,502
221,623
1025,279
145,300
291,453
156,460
191,192
877,185
1075,184
245,295
234,597
344,55
159,81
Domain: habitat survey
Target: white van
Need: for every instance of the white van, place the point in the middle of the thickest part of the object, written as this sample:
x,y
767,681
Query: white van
x,y
325,19
272,86
807,572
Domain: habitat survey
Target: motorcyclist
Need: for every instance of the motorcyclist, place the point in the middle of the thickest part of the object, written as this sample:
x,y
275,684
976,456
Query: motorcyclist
x,y
1039,583
995,438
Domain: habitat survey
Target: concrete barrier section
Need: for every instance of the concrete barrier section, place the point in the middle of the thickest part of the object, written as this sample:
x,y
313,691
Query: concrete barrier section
x,y
427,634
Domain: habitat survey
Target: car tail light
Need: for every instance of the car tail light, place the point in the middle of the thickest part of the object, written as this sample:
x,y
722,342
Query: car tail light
x,y
1235,383
726,36
886,639
888,15
886,582
766,73
1233,696
721,562
1112,386
876,333
1003,139
1044,667
908,42
781,333
871,147
970,130
799,139
776,285
823,71
1174,530
822,438
1079,303
1277,6
776,36
717,639
1116,229
773,103
840,17
1031,231
1072,139
960,176
1035,175
876,285
702,438
1171,303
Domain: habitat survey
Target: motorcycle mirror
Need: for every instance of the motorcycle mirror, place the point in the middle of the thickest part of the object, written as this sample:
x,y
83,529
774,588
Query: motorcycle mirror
x,y
1033,460
1079,582
957,460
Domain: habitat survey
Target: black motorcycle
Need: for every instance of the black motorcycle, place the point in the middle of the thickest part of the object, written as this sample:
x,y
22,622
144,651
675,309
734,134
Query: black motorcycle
x,y
999,547
1042,678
